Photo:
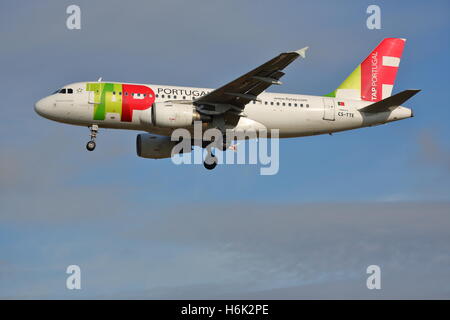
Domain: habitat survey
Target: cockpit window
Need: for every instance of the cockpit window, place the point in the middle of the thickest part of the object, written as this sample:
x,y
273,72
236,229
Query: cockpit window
x,y
64,90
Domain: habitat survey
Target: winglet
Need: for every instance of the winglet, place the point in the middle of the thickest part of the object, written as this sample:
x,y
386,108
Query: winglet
x,y
302,52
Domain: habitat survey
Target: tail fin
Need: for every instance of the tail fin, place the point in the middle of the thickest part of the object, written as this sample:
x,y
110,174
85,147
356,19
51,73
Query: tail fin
x,y
373,80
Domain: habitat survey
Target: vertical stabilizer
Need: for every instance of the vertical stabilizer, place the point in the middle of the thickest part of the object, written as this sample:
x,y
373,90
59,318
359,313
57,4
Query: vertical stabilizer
x,y
373,80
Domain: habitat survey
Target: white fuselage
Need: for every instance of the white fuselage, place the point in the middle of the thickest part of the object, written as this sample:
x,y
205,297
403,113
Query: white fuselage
x,y
294,115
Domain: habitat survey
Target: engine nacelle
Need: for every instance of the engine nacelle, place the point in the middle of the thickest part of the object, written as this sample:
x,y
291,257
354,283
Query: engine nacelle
x,y
154,147
175,115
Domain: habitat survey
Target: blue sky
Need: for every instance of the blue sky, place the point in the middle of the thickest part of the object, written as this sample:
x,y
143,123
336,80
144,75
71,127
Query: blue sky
x,y
149,229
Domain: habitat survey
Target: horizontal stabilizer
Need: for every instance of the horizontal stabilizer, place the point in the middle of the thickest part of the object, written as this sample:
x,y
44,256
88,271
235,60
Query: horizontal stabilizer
x,y
390,102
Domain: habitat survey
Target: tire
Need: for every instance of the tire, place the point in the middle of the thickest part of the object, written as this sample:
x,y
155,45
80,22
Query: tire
x,y
90,146
210,163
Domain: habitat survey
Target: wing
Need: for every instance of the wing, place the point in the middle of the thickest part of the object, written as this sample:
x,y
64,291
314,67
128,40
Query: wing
x,y
246,88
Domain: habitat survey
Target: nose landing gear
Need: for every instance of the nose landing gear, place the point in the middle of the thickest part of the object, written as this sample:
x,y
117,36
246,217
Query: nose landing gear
x,y
90,146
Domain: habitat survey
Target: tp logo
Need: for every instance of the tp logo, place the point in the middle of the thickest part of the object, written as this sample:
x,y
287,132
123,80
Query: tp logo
x,y
374,280
374,20
73,21
74,280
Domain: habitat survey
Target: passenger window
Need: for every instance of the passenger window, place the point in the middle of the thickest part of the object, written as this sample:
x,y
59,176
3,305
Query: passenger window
x,y
157,95
184,98
174,97
265,102
289,104
168,97
162,96
284,104
120,93
307,105
271,103
69,90
62,91
295,104
114,93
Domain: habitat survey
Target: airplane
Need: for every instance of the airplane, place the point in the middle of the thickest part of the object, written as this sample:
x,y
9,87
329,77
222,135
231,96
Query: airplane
x,y
363,99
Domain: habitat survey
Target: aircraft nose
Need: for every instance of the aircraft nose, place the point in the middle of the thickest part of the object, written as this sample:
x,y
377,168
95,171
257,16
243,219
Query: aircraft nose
x,y
40,107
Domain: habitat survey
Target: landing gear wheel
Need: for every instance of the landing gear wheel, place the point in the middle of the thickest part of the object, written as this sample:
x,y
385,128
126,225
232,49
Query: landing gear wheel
x,y
210,162
90,146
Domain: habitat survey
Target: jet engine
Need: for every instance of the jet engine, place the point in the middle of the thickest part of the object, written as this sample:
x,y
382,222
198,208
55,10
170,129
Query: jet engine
x,y
175,115
155,147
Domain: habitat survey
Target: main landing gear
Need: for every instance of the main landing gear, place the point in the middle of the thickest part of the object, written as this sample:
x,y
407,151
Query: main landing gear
x,y
90,146
210,161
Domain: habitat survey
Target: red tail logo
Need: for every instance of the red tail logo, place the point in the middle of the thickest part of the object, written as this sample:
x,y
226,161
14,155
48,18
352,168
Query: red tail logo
x,y
379,69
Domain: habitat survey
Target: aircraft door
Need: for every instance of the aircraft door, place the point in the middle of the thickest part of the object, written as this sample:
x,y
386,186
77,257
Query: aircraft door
x,y
328,109
91,98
